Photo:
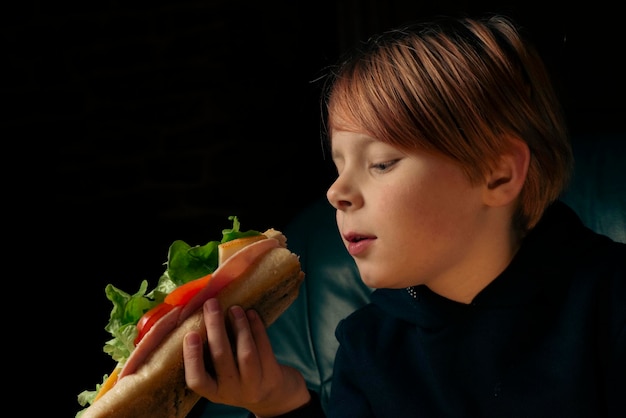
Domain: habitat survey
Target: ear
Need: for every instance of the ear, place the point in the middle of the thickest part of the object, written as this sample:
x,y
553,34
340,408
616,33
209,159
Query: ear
x,y
505,181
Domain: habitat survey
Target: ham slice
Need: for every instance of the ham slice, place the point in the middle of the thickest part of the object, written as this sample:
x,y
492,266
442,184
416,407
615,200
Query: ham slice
x,y
153,337
232,268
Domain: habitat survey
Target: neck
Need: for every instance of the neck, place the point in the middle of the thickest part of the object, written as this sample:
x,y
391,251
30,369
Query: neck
x,y
490,255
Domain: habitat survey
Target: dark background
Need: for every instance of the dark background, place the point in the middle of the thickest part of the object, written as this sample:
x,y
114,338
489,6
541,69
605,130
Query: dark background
x,y
155,121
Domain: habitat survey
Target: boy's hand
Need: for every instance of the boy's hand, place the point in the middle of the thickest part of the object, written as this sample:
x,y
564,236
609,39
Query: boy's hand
x,y
247,376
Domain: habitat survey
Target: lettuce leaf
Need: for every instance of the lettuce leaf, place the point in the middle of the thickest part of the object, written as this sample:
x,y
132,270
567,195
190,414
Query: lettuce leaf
x,y
184,263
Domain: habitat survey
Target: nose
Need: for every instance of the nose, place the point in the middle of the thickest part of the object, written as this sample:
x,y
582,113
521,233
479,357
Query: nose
x,y
342,196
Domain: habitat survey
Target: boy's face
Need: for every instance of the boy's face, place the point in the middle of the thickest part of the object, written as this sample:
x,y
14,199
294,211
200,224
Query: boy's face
x,y
407,219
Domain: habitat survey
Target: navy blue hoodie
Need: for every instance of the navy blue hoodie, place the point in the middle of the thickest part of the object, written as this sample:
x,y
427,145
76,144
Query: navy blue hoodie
x,y
547,338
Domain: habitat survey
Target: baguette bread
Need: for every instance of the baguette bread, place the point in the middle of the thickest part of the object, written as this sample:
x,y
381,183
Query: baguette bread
x,y
157,389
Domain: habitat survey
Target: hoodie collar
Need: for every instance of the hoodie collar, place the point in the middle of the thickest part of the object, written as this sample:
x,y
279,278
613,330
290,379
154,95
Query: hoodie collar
x,y
529,278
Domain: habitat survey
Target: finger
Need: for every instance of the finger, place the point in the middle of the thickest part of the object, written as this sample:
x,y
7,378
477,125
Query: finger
x,y
247,354
196,376
226,372
261,339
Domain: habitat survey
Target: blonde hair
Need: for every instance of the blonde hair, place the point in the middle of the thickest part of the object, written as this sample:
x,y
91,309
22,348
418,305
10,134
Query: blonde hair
x,y
461,88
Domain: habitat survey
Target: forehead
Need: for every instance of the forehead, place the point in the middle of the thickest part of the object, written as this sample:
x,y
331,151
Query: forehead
x,y
353,135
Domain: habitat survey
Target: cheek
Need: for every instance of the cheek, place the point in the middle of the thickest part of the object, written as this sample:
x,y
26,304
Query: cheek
x,y
433,209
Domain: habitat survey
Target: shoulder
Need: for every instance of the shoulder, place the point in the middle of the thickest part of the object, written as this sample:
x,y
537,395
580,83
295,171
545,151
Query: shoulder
x,y
376,321
361,325
364,316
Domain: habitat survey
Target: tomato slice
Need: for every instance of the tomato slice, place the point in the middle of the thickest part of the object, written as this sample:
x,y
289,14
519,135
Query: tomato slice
x,y
150,318
179,296
183,293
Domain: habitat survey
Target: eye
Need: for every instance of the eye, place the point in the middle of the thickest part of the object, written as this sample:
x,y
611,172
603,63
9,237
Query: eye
x,y
384,166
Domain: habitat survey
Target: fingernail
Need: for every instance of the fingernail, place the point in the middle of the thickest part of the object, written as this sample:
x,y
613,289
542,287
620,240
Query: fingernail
x,y
252,316
212,305
192,339
237,312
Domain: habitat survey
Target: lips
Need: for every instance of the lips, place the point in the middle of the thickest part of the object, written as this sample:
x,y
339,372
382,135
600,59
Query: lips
x,y
357,244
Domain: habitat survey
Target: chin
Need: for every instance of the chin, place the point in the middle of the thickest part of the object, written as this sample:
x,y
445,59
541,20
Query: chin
x,y
373,281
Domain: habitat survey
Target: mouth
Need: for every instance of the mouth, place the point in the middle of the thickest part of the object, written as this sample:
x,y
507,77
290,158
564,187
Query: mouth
x,y
354,238
357,244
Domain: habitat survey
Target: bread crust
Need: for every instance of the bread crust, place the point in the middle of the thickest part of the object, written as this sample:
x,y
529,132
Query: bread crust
x,y
158,389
